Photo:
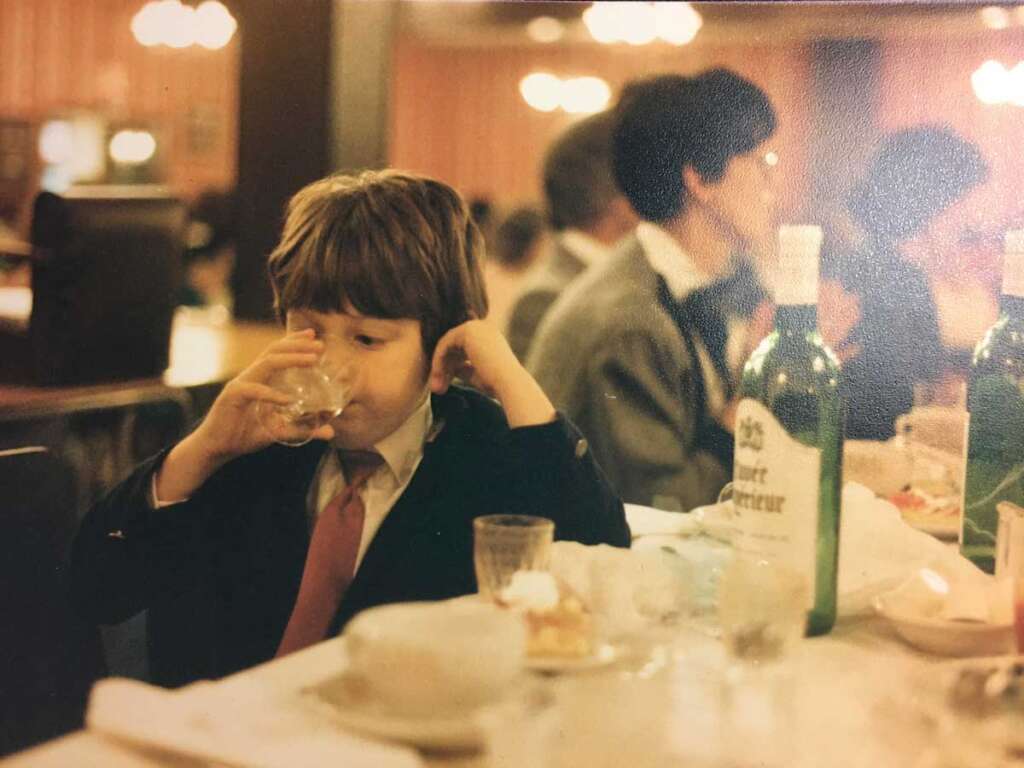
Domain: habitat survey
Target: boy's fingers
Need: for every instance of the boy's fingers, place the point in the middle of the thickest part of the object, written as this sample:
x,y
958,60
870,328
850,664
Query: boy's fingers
x,y
252,390
276,361
289,344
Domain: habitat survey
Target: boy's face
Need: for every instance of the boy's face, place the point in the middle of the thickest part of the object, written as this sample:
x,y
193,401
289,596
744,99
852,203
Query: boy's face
x,y
743,200
389,371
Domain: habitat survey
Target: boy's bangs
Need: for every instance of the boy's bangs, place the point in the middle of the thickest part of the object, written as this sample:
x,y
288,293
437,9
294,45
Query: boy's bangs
x,y
350,271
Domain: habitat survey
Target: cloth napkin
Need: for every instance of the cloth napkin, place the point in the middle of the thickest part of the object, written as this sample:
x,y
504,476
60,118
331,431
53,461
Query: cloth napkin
x,y
625,590
234,725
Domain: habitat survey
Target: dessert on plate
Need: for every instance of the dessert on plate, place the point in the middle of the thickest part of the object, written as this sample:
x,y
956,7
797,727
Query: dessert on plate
x,y
558,623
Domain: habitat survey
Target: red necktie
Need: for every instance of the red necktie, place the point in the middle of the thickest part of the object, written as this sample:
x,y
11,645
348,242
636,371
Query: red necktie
x,y
331,561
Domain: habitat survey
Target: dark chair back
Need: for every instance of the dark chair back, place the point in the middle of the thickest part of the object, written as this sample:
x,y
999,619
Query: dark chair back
x,y
49,657
105,280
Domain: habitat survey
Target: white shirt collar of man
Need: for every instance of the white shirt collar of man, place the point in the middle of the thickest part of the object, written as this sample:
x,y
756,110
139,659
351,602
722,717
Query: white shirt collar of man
x,y
587,249
669,260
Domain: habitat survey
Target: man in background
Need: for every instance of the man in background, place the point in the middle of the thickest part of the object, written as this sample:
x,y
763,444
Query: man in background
x,y
642,351
588,214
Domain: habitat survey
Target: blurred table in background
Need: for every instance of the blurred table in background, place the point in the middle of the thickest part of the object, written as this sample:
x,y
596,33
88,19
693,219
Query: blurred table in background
x,y
203,355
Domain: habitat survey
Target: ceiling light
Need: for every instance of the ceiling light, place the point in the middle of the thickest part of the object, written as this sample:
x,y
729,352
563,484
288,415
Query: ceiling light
x,y
132,147
545,29
542,91
214,24
642,22
991,83
584,95
995,17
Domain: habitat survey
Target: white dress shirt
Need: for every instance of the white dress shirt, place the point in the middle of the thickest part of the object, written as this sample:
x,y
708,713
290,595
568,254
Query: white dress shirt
x,y
587,249
402,452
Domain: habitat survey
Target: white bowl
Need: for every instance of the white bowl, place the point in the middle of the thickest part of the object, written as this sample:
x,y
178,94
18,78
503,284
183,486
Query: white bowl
x,y
436,659
945,637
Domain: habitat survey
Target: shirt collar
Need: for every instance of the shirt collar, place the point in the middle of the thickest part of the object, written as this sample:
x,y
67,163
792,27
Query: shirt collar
x,y
669,260
403,447
587,249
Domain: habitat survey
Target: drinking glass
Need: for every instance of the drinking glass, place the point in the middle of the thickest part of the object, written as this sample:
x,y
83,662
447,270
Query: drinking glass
x,y
1010,559
504,544
762,609
319,393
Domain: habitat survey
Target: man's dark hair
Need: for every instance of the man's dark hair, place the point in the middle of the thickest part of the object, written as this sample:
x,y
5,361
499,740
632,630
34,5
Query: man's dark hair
x,y
913,176
578,181
516,235
668,122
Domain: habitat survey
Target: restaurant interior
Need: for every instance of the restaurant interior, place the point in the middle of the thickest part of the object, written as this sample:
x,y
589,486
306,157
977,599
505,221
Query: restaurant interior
x,y
148,150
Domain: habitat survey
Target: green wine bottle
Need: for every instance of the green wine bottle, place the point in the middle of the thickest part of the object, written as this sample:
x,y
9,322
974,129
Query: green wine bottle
x,y
994,461
787,475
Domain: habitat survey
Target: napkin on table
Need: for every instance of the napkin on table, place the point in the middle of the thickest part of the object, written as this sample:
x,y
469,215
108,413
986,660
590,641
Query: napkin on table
x,y
237,725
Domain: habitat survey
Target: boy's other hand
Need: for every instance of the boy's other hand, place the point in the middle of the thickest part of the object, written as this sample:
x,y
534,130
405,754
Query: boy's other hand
x,y
231,428
478,353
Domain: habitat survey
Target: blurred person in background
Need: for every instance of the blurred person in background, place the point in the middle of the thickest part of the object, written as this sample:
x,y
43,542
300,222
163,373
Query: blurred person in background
x,y
516,249
484,214
642,351
910,210
587,212
210,252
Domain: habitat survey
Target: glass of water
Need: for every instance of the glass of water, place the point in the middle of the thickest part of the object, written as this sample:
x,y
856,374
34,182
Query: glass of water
x,y
318,394
762,611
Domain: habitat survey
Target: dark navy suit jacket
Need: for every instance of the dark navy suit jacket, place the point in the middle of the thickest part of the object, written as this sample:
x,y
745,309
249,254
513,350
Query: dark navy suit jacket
x,y
219,573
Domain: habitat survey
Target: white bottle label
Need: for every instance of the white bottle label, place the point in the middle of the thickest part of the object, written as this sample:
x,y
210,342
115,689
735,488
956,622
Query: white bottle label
x,y
775,490
796,279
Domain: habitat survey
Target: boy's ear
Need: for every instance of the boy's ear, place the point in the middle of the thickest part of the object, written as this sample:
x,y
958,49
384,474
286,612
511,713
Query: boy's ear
x,y
695,185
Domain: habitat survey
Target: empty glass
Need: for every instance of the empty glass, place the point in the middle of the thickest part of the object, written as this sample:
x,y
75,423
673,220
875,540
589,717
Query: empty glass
x,y
762,610
319,393
504,544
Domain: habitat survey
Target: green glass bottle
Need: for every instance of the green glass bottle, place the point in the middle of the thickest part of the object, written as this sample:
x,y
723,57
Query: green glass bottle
x,y
787,475
994,461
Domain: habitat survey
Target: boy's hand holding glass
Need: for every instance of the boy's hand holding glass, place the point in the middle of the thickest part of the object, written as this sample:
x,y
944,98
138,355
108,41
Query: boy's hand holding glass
x,y
237,421
478,354
317,395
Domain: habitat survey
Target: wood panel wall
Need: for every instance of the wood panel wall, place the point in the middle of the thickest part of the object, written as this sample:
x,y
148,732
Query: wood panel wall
x,y
456,113
58,56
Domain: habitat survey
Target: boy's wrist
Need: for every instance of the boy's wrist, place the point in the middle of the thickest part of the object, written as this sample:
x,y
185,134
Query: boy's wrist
x,y
524,402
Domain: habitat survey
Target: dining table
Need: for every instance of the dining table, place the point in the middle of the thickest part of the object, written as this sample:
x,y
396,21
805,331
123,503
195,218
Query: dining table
x,y
860,697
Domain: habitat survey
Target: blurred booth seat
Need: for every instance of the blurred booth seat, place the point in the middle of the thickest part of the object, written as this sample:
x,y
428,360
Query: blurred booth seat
x,y
106,271
49,657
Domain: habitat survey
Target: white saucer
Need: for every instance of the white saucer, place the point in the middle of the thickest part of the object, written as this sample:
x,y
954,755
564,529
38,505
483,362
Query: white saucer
x,y
351,705
602,656
945,637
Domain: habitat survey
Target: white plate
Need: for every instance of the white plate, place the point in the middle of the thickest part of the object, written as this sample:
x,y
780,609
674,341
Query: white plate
x,y
602,656
350,704
949,638
945,529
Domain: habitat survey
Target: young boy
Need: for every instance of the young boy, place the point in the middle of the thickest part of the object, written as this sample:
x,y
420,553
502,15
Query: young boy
x,y
242,549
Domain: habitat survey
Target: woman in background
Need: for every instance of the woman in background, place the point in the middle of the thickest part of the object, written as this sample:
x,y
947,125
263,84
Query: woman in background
x,y
908,200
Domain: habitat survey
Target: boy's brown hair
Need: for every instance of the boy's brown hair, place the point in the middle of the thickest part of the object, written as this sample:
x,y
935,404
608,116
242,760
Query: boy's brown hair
x,y
389,244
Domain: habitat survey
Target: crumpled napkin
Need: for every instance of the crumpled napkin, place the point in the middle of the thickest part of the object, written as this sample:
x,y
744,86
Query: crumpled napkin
x,y
878,550
624,590
235,725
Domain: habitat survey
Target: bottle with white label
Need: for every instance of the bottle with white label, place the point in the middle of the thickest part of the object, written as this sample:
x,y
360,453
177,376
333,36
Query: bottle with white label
x,y
787,474
994,461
